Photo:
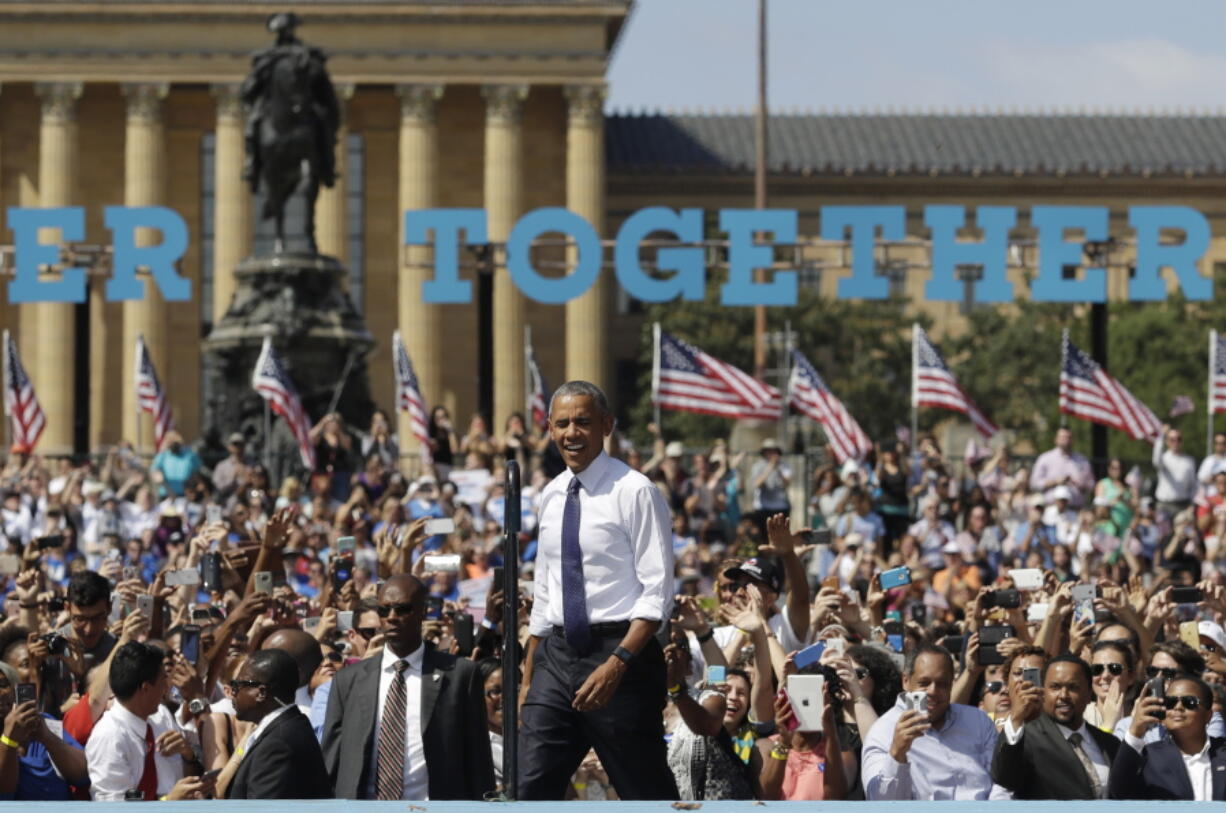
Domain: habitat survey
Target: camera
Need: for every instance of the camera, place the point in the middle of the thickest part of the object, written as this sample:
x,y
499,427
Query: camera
x,y
55,642
1007,599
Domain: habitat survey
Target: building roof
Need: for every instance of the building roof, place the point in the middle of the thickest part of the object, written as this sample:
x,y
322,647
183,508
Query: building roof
x,y
922,144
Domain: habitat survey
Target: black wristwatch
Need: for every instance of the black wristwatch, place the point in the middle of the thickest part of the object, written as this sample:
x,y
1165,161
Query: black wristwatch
x,y
624,654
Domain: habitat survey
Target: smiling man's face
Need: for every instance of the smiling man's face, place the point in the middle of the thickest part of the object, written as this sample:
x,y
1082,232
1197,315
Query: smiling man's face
x,y
578,427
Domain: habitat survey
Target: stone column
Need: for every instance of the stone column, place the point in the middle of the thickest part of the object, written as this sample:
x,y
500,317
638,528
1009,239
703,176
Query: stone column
x,y
587,316
504,203
331,222
54,356
144,185
420,324
231,198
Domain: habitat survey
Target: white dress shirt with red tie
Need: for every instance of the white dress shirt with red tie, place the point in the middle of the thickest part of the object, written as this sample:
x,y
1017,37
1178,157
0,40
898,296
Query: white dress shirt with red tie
x,y
116,753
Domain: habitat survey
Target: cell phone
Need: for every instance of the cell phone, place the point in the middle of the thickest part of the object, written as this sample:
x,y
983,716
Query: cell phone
x,y
311,624
440,525
210,572
1083,602
989,637
434,608
442,563
895,577
116,608
919,614
343,571
809,655
1187,595
212,514
189,643
498,576
130,573
1036,613
462,630
954,643
50,541
200,615
26,693
209,776
263,581
1007,599
344,621
717,674
837,645
1033,675
10,563
806,693
180,578
915,701
346,545
144,603
1030,578
1189,633
1157,688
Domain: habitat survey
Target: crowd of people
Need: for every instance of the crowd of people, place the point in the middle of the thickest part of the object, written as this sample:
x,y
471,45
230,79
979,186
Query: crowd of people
x,y
915,630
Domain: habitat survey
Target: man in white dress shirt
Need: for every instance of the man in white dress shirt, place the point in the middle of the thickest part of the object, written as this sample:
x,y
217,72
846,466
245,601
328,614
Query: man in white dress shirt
x,y
137,746
595,675
1046,750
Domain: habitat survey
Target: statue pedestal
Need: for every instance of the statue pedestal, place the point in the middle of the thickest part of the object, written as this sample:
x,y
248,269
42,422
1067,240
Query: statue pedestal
x,y
298,299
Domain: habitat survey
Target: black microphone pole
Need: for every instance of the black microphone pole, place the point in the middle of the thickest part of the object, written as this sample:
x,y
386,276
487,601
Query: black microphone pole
x,y
510,632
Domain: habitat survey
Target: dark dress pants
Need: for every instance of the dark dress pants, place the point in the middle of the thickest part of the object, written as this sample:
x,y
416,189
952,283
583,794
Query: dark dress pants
x,y
628,733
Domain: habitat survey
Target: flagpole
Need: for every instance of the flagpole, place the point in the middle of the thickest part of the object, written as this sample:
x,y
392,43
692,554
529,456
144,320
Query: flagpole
x,y
1063,350
529,384
786,389
267,434
915,328
8,423
1209,398
655,374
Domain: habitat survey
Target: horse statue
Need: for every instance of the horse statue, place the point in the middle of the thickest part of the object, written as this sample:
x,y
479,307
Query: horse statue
x,y
292,119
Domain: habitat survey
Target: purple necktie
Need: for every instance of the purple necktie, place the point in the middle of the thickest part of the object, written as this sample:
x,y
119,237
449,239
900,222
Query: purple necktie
x,y
574,594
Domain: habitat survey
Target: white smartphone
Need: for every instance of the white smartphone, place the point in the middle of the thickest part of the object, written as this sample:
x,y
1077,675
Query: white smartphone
x,y
144,603
344,621
443,525
179,578
836,645
10,563
263,581
1030,578
346,545
212,514
805,693
442,563
915,701
310,624
1036,613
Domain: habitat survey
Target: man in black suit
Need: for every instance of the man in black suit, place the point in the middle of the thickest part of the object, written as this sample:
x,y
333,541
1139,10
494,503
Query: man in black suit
x,y
1190,766
282,759
1046,750
409,723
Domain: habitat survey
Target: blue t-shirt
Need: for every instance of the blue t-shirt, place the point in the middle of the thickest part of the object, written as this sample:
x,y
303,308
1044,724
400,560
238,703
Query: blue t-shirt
x,y
37,780
176,468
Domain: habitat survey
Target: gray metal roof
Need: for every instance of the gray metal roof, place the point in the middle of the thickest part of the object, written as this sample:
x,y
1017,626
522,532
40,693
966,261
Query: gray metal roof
x,y
921,144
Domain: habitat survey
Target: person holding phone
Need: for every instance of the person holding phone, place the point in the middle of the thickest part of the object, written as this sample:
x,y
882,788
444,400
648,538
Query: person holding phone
x,y
595,674
35,764
1190,766
1046,728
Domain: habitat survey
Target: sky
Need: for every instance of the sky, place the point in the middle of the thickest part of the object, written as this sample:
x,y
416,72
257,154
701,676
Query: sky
x,y
931,55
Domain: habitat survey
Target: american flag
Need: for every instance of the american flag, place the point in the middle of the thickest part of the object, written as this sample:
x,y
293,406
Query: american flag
x,y
274,385
933,385
408,393
808,393
150,397
687,379
1089,393
1217,366
538,392
20,402
1182,405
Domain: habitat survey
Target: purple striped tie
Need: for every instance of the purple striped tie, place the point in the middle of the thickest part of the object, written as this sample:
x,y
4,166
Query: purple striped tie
x,y
574,592
389,782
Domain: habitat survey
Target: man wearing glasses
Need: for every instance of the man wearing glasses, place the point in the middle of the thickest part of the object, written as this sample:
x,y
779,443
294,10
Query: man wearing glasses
x,y
409,724
1176,470
1190,766
281,758
365,627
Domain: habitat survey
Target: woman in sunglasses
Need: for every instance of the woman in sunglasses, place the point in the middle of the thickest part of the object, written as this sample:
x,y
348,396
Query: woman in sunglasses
x,y
1113,674
1190,766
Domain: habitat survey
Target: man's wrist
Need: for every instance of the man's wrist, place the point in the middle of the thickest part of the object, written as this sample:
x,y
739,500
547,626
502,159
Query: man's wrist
x,y
703,637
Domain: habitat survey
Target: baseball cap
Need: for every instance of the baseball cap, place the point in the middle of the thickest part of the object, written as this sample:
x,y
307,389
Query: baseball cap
x,y
1060,493
761,569
674,449
1214,632
951,547
236,439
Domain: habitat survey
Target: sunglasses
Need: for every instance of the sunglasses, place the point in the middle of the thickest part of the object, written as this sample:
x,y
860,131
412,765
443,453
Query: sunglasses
x,y
1115,669
1154,671
1190,702
384,610
994,687
366,632
237,685
333,657
861,673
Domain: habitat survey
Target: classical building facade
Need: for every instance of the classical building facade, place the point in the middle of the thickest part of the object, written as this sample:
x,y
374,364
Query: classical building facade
x,y
494,104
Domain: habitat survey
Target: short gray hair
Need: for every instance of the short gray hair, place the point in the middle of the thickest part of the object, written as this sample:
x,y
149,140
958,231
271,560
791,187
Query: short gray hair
x,y
582,388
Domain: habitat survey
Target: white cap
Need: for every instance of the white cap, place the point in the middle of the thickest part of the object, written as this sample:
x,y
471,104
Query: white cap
x,y
1060,493
1214,632
951,547
674,449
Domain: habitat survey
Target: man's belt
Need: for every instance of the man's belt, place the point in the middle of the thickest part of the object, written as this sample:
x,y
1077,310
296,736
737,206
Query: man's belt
x,y
607,629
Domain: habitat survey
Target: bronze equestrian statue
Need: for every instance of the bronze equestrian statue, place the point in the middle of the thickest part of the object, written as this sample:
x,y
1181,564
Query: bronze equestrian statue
x,y
292,119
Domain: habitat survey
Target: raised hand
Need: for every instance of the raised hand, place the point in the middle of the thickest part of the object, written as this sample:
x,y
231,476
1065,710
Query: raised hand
x,y
782,541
